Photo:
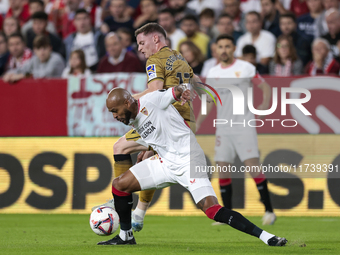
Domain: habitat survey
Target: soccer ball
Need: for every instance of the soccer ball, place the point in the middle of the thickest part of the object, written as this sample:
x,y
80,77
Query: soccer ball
x,y
104,221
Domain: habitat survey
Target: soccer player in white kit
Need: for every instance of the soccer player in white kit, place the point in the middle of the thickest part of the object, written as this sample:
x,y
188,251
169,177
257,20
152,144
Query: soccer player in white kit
x,y
236,136
161,126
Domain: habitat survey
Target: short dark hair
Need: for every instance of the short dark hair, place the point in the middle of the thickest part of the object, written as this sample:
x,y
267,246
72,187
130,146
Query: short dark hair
x,y
288,15
254,13
16,34
207,12
81,11
168,10
224,15
124,30
41,41
225,36
151,28
190,17
40,16
40,2
249,49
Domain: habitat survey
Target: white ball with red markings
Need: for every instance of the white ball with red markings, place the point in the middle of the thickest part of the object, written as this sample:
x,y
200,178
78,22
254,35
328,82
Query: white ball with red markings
x,y
104,221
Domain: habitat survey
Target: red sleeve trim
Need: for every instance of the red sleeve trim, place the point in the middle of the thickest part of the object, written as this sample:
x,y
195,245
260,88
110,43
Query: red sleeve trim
x,y
138,106
174,95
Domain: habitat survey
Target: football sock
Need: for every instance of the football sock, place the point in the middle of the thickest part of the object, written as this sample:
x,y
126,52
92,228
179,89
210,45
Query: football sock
x,y
126,235
123,205
146,196
226,192
139,214
262,187
234,219
123,162
265,236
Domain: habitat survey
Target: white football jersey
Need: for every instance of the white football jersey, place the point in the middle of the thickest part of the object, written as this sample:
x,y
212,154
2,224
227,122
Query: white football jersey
x,y
164,129
239,74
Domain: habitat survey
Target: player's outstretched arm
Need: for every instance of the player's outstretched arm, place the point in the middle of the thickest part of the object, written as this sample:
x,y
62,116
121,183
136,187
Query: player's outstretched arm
x,y
152,86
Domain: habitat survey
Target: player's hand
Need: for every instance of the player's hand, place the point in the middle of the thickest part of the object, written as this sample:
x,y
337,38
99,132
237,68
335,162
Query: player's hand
x,y
140,156
187,95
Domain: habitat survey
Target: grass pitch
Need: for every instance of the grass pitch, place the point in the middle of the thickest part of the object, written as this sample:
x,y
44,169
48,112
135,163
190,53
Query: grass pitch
x,y
71,234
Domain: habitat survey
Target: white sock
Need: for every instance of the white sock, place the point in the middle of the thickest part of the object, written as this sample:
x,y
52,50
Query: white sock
x,y
139,214
265,236
126,235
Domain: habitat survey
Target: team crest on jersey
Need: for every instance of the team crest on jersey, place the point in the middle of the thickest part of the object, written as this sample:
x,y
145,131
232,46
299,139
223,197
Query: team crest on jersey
x,y
238,73
145,111
154,157
151,70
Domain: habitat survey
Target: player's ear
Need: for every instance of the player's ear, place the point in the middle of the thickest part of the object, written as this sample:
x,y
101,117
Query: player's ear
x,y
155,38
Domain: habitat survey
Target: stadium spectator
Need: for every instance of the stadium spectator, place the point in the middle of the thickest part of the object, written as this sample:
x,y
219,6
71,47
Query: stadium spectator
x,y
19,10
39,27
4,6
263,41
44,63
232,8
189,25
320,22
301,43
149,13
76,65
65,25
118,59
11,25
306,23
199,5
299,7
224,25
4,53
286,61
95,11
270,17
126,38
249,55
323,61
36,6
333,36
207,21
19,53
117,19
180,9
211,62
166,18
91,41
192,55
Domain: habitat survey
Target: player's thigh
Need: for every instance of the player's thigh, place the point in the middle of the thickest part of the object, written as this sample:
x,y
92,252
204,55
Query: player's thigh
x,y
151,174
224,172
198,185
128,144
246,145
224,149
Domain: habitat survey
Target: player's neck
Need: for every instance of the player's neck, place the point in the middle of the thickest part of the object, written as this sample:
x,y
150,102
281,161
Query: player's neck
x,y
228,63
134,109
159,46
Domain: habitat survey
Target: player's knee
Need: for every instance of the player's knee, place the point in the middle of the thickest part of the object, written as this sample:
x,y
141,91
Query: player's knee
x,y
120,185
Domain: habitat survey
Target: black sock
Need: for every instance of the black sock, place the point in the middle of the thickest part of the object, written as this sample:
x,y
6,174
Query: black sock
x,y
236,220
123,205
264,193
226,193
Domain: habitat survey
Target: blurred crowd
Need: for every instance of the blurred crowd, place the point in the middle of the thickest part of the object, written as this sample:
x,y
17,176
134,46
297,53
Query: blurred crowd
x,y
59,38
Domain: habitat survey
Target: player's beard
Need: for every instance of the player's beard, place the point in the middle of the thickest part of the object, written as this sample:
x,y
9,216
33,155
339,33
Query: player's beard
x,y
127,116
225,58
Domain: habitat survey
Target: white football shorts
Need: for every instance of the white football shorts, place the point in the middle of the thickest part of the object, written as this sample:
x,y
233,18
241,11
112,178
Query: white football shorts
x,y
152,173
228,146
